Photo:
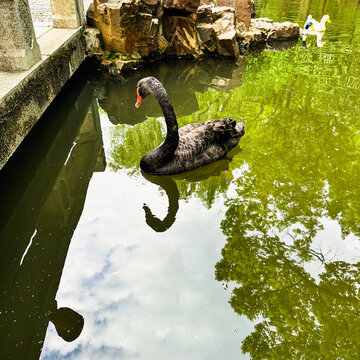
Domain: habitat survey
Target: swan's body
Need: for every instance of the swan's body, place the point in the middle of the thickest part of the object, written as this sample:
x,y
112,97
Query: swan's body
x,y
193,145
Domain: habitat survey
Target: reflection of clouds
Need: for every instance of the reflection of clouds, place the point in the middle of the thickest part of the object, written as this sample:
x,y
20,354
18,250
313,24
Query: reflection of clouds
x,y
143,294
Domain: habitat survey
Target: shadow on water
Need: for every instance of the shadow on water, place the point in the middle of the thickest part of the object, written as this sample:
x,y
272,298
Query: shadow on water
x,y
42,200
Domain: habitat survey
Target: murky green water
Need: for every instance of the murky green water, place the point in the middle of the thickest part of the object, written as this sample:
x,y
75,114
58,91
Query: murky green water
x,y
257,257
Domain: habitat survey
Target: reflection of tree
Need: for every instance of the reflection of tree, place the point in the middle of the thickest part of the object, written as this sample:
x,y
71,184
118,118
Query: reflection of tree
x,y
302,318
302,155
301,150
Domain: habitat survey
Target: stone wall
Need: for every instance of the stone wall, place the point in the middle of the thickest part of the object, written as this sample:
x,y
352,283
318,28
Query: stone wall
x,y
122,33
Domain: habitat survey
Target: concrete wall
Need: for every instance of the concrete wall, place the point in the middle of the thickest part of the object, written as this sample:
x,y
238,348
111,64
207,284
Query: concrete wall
x,y
25,103
34,68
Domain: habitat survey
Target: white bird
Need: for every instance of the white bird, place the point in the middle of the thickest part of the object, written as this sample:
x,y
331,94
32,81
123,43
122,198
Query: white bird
x,y
313,27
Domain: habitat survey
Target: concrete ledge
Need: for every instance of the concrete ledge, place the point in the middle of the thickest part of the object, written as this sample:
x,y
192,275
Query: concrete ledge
x,y
24,96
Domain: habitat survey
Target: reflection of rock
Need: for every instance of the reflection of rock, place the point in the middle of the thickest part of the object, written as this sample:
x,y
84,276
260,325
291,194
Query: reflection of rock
x,y
117,97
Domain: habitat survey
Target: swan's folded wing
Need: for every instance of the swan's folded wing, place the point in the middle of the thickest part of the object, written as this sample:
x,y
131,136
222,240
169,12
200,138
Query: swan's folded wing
x,y
189,128
195,139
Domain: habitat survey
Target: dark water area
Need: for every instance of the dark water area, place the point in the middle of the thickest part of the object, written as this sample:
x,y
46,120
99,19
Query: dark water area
x,y
252,257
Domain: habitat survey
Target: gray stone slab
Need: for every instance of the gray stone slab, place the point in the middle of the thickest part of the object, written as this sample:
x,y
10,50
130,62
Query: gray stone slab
x,y
24,96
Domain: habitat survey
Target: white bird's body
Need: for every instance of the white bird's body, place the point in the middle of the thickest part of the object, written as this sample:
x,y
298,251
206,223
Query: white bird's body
x,y
320,26
313,27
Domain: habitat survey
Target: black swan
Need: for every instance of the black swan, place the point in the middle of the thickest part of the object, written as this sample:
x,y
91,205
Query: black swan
x,y
193,145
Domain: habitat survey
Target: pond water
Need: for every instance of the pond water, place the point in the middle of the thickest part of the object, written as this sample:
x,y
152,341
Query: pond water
x,y
253,258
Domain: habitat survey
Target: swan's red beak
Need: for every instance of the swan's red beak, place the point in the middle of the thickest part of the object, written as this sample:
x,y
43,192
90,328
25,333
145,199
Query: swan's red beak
x,y
139,99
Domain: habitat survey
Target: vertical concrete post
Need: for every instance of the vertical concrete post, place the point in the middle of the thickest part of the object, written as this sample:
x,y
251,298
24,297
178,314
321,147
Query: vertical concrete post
x,y
67,14
19,49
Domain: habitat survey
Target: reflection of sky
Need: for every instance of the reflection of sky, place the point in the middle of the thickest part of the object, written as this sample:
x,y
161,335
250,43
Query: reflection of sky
x,y
144,294
149,295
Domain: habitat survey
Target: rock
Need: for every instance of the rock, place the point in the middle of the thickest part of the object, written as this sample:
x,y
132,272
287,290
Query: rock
x,y
262,24
204,14
149,6
226,22
148,37
90,15
283,31
219,11
125,29
227,45
181,34
251,36
188,6
243,10
126,64
207,37
93,46
113,19
252,8
240,28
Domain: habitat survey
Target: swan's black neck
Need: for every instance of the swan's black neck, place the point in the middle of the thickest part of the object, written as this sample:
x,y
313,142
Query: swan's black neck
x,y
157,158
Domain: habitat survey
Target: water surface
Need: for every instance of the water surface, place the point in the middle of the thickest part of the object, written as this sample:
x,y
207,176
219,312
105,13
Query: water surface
x,y
256,257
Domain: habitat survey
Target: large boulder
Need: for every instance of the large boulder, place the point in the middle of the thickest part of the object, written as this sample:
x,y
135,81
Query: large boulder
x,y
148,35
207,37
283,31
181,34
149,6
126,29
217,31
262,24
227,44
93,42
113,19
204,14
250,37
243,9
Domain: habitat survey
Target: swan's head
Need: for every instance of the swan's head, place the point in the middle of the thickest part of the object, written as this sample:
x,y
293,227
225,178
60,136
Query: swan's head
x,y
325,18
145,87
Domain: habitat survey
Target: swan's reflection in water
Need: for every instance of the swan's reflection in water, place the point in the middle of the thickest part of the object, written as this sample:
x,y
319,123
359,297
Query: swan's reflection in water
x,y
168,183
172,192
